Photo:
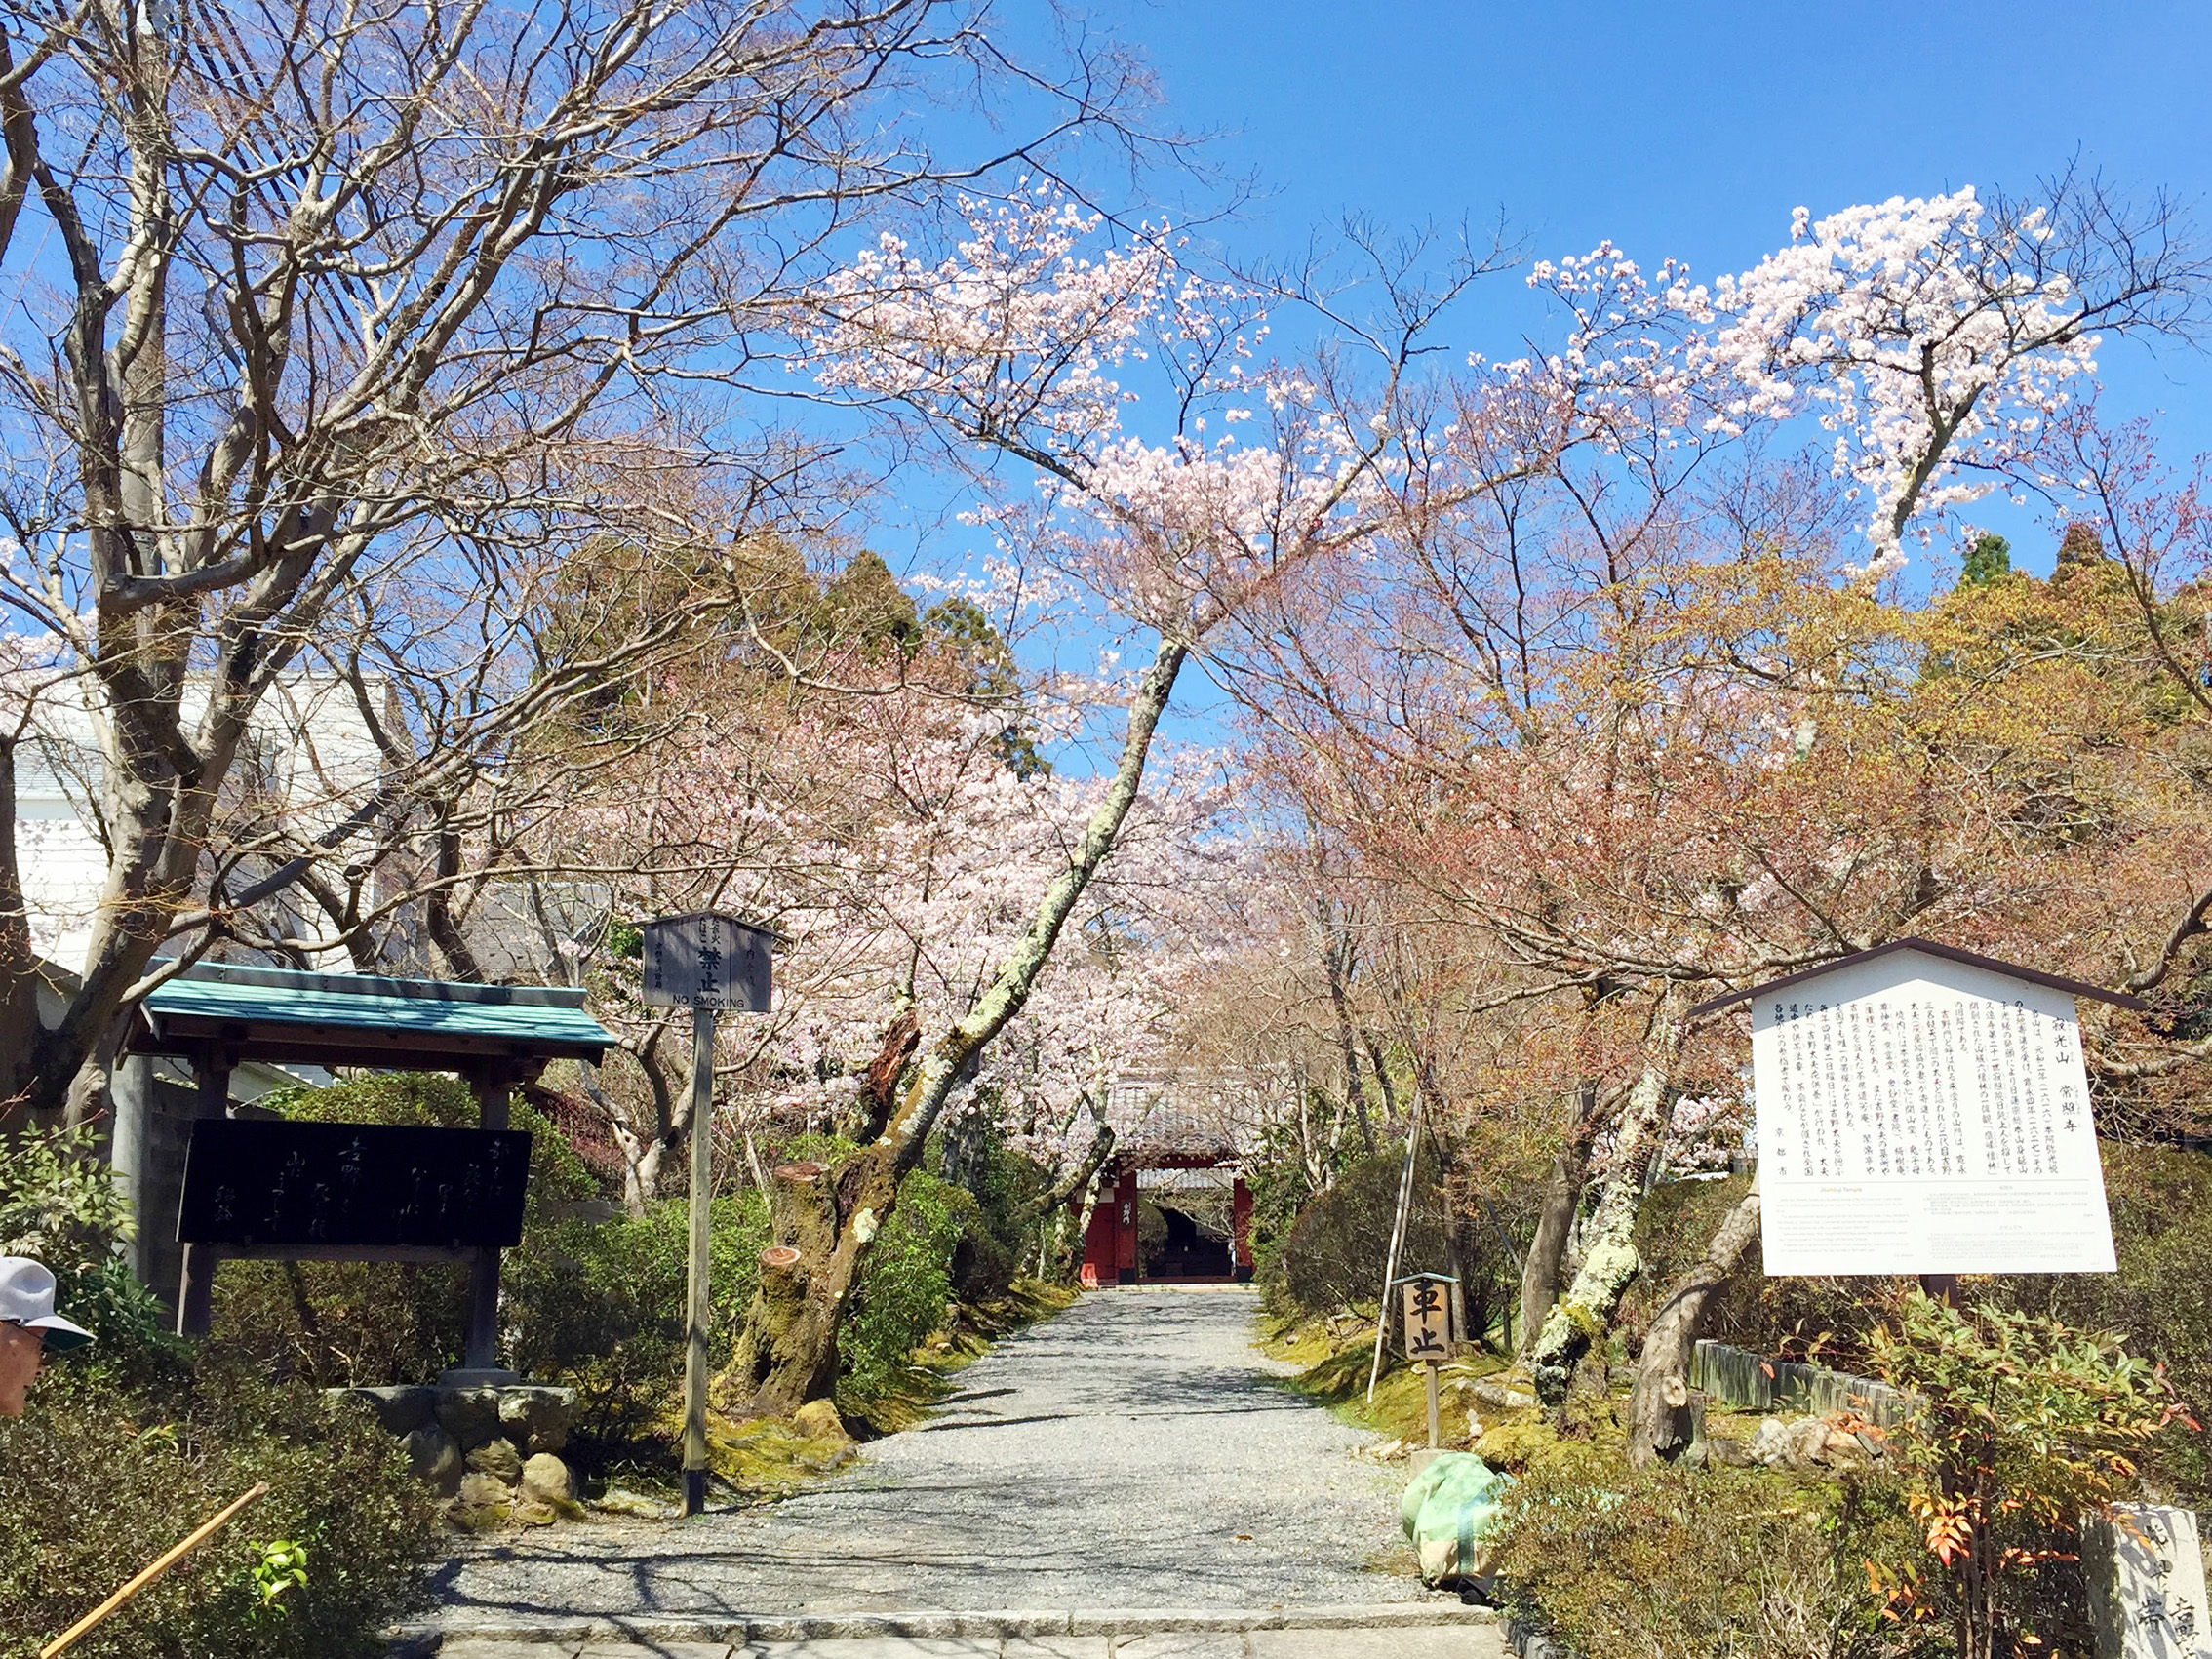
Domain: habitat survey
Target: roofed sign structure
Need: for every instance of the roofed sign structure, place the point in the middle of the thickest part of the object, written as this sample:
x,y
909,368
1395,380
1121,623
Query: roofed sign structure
x,y
1924,1110
355,1191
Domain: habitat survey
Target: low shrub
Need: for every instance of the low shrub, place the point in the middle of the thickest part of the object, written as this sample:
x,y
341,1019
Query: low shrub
x,y
599,1305
100,1477
347,1324
1670,1563
60,1206
1334,1254
2019,1428
2160,1300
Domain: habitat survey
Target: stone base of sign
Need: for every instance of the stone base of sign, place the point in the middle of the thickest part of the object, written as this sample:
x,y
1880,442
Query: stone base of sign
x,y
2145,1573
490,1449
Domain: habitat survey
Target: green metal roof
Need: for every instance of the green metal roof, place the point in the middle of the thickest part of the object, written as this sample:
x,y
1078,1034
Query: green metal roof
x,y
526,1018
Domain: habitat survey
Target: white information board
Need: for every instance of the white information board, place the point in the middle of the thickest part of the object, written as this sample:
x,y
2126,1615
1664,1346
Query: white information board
x,y
1922,1116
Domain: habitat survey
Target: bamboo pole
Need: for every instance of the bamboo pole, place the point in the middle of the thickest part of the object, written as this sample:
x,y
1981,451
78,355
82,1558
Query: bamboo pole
x,y
100,1613
1397,1243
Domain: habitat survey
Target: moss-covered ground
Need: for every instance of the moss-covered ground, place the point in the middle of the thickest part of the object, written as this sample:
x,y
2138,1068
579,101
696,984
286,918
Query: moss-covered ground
x,y
763,1458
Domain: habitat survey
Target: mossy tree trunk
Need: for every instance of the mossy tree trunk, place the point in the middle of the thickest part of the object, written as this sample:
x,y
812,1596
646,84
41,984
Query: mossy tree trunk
x,y
1555,1219
1609,1262
788,1353
1658,1423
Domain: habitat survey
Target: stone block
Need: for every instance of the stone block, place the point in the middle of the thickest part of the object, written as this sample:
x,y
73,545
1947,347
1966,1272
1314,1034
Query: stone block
x,y
657,1651
883,1648
1056,1648
537,1418
818,1420
498,1459
401,1411
545,1480
621,1501
1186,1644
435,1456
485,1491
474,1647
2146,1592
1400,1642
471,1415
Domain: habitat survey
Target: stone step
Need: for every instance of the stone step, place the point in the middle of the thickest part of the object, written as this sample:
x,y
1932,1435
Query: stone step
x,y
1199,1637
1398,1630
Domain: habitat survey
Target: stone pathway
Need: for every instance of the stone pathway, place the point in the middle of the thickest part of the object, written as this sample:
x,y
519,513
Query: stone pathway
x,y
1132,1457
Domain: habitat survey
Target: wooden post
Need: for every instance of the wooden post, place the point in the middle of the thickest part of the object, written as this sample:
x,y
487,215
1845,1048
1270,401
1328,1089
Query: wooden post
x,y
494,1086
696,1309
1397,1240
195,1296
1435,1428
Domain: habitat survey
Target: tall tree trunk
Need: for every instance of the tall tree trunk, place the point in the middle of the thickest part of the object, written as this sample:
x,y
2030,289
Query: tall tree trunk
x,y
1336,963
787,1355
19,986
1056,1204
1554,1218
1658,1425
1609,1260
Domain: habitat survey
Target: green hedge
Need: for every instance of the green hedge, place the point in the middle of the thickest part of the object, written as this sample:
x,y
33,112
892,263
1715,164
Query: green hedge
x,y
2159,1301
100,1476
1679,1563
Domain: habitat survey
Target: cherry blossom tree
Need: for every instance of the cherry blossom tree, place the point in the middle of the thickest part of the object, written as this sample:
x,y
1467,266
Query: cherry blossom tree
x,y
1010,345
353,326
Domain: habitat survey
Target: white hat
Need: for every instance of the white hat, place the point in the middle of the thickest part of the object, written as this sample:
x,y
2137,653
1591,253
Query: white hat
x,y
26,1298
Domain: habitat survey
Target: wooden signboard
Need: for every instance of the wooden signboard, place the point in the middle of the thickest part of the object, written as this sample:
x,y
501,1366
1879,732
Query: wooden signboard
x,y
707,960
1427,1320
1925,1112
255,1184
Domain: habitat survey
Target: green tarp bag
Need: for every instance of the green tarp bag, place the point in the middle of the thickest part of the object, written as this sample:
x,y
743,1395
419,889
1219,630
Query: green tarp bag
x,y
1450,1511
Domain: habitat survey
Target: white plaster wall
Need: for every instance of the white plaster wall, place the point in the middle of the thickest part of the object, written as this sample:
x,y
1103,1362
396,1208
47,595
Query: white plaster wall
x,y
311,745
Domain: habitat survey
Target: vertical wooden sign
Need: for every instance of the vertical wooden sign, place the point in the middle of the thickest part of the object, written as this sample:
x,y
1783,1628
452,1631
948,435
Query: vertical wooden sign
x,y
1428,1323
1428,1335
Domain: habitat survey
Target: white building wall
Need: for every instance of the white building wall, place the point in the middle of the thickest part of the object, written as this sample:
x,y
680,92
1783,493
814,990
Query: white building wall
x,y
309,745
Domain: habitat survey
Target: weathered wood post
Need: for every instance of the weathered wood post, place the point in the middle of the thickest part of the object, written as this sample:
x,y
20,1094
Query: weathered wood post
x,y
1428,1335
697,1367
706,962
195,1296
493,1089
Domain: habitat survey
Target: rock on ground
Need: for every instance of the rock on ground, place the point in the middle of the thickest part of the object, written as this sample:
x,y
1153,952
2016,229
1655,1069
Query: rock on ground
x,y
1134,1453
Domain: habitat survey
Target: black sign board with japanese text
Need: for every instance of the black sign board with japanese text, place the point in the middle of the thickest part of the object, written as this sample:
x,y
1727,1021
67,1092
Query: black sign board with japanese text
x,y
258,1184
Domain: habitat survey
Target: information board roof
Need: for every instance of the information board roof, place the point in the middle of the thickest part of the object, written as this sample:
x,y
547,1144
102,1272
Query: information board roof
x,y
1928,947
276,1013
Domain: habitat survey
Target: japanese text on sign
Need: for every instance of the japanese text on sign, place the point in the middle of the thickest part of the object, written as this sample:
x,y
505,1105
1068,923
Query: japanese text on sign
x,y
2146,1583
1427,1320
1921,1116
707,961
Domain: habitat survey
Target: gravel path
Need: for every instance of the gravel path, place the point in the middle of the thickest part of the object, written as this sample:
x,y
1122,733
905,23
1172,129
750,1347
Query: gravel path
x,y
1132,1452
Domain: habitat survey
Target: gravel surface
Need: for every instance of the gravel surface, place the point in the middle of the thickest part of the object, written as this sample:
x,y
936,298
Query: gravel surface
x,y
1132,1452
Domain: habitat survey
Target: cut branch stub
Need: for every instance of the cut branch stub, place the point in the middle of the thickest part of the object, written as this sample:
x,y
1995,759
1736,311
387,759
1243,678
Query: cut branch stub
x,y
779,1258
799,1172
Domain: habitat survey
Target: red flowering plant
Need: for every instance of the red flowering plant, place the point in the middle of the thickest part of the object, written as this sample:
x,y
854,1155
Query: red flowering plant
x,y
2020,1428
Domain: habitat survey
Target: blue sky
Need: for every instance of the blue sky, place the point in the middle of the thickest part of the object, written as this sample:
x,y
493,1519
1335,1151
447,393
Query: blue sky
x,y
1683,130
1690,131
